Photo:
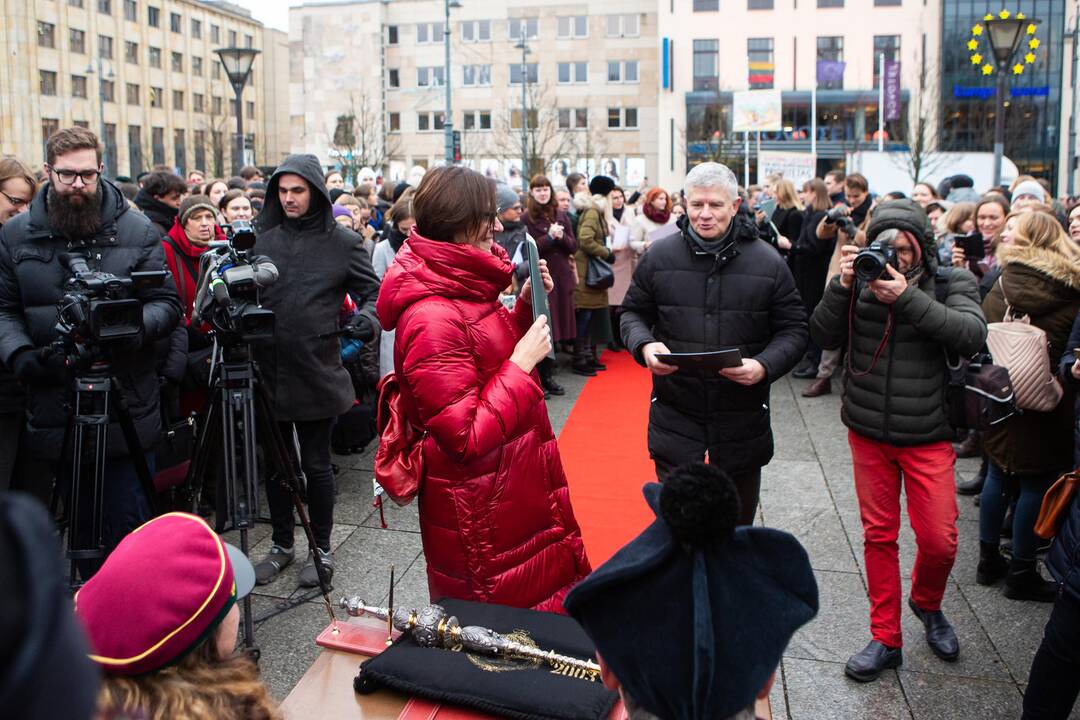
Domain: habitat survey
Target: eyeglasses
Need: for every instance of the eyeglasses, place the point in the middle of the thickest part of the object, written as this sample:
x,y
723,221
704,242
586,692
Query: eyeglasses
x,y
68,176
15,202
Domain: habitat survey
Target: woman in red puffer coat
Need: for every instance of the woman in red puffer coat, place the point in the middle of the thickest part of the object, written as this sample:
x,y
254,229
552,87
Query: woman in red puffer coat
x,y
495,515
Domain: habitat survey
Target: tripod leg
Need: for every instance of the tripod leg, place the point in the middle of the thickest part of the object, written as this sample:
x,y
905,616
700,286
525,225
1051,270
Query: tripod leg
x,y
135,449
249,623
204,450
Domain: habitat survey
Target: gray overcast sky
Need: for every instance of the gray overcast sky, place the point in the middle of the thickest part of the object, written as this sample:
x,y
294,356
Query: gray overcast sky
x,y
274,13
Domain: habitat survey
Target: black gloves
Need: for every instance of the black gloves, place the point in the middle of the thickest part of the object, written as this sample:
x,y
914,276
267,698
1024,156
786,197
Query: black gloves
x,y
33,366
362,328
611,256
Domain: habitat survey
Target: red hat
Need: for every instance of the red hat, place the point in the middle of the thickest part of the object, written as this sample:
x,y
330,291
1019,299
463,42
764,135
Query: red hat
x,y
163,589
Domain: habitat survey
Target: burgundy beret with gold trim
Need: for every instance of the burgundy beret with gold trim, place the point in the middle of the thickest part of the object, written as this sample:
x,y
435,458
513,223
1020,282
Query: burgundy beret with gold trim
x,y
161,591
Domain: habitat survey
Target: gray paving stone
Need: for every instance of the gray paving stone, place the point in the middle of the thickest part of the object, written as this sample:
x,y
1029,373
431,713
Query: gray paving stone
x,y
288,644
936,696
1014,627
404,519
842,625
363,561
778,696
820,532
287,583
799,482
820,691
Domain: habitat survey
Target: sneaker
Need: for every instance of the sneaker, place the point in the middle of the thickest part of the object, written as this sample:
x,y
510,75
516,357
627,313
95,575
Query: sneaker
x,y
309,577
267,569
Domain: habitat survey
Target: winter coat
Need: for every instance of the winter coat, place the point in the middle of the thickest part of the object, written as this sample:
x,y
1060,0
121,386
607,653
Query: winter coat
x,y
32,281
1045,286
510,239
639,232
184,269
788,222
161,215
809,259
318,261
625,258
559,255
591,234
495,515
1068,358
1063,560
900,398
696,301
381,260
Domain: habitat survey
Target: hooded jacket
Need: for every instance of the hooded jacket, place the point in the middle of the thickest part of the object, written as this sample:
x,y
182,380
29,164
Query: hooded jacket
x,y
495,515
32,280
1045,286
161,215
900,398
318,262
696,301
591,233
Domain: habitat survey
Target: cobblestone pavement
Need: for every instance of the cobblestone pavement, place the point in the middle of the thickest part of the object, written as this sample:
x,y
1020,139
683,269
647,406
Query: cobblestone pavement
x,y
807,490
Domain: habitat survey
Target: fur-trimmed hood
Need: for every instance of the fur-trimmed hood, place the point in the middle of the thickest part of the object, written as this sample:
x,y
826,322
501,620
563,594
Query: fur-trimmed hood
x,y
1053,264
584,201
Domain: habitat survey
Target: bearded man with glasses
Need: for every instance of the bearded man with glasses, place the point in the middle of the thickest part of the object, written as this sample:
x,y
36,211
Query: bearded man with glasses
x,y
79,212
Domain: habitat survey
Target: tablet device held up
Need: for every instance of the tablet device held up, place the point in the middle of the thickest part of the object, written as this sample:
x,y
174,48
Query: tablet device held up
x,y
537,292
715,361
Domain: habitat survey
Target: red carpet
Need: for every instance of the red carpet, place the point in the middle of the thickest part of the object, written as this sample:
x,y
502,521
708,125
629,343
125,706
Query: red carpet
x,y
605,454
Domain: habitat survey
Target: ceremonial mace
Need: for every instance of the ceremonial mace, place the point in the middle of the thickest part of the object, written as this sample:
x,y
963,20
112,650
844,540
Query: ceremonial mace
x,y
433,627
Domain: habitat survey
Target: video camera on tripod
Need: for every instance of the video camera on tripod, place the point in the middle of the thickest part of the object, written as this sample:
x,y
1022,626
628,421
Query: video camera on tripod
x,y
231,276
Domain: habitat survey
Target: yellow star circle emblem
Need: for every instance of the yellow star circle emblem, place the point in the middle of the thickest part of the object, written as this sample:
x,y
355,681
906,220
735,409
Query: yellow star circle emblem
x,y
976,30
976,59
1018,69
1031,29
973,44
1004,14
988,16
1029,58
987,69
1020,16
1033,43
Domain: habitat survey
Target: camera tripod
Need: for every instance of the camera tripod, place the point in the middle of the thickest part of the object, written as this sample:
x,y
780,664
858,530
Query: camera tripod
x,y
97,397
238,405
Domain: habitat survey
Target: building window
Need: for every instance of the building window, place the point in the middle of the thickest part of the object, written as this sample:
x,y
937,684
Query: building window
x,y
49,127
514,25
153,16
215,33
250,109
177,99
427,33
760,63
196,66
391,35
104,7
179,150
157,143
393,78
576,26
177,62
196,29
573,73
232,38
200,149
423,122
706,65
198,102
430,76
174,22
110,149
135,160
155,57
47,82
104,47
216,72
215,105
889,45
84,124
622,26
622,71
624,118
706,5
573,118
133,94
532,73
473,31
157,97
394,121
108,91
249,41
131,10
46,35
77,41
78,86
480,120
532,118
759,4
830,49
75,3
131,52
476,75
886,3
830,3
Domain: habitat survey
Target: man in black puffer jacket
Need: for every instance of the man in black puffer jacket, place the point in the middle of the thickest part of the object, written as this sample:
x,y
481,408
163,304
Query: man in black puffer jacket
x,y
318,262
79,213
714,286
894,408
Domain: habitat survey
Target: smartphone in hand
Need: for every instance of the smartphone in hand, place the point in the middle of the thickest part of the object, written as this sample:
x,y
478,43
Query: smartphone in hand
x,y
973,246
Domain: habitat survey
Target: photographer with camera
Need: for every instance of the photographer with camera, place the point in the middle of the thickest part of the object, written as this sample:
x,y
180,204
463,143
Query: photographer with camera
x,y
79,220
318,262
883,308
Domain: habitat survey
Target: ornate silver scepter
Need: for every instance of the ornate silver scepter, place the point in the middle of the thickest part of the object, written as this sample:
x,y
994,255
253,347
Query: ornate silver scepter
x,y
431,626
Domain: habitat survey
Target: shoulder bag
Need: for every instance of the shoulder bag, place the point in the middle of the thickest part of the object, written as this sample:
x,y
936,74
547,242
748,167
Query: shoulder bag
x,y
399,460
1023,349
1055,504
598,274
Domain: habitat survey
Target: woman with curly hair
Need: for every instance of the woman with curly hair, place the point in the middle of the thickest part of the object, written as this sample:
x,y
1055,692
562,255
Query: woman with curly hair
x,y
162,619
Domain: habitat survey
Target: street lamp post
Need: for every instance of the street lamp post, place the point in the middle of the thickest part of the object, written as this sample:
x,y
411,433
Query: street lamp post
x,y
237,62
448,122
524,107
1005,34
102,77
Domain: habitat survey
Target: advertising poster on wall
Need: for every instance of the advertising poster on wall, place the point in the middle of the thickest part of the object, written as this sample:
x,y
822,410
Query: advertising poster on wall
x,y
794,166
757,110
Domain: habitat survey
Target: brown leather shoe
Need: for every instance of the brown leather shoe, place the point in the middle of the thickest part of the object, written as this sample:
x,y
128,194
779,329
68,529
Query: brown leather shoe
x,y
821,386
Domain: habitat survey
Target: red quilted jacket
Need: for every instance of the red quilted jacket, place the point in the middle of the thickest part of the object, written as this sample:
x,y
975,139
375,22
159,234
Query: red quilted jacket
x,y
495,515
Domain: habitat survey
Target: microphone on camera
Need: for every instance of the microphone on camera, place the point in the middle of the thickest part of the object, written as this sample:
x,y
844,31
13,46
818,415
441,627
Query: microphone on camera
x,y
220,291
75,263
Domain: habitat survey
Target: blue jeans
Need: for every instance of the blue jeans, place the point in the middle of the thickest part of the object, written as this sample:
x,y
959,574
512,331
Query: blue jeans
x,y
995,501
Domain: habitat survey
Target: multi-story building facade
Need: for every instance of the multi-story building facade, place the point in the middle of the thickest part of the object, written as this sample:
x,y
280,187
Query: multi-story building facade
x,y
376,71
141,73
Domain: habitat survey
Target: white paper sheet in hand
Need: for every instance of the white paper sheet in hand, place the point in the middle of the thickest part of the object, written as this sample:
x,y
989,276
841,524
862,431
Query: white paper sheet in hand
x,y
664,231
621,239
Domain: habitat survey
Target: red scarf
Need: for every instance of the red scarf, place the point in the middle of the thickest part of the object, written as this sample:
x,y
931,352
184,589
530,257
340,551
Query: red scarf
x,y
660,217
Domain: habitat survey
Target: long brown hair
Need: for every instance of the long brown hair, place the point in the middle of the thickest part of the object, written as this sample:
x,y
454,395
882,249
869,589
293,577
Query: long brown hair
x,y
13,169
1041,230
199,687
535,210
453,201
821,201
784,191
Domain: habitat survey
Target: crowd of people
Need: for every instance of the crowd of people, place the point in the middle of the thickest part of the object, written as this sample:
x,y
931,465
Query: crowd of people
x,y
434,282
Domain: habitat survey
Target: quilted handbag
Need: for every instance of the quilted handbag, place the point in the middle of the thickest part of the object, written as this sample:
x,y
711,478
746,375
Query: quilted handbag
x,y
399,460
1023,350
598,274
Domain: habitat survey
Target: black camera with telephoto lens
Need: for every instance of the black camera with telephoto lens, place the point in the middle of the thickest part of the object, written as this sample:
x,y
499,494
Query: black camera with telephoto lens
x,y
229,288
871,261
837,217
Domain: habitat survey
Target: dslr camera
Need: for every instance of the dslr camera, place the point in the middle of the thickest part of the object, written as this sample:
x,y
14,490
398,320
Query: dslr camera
x,y
231,277
843,222
97,308
871,261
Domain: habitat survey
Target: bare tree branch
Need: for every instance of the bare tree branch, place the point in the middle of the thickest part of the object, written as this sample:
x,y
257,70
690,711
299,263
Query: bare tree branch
x,y
359,138
545,141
